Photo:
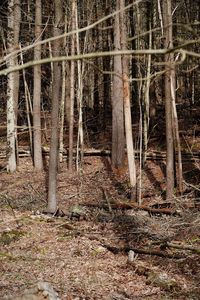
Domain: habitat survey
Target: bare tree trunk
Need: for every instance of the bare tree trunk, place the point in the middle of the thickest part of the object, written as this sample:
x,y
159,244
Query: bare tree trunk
x,y
38,164
177,143
67,88
118,138
13,83
63,100
127,106
147,88
28,105
80,66
71,123
167,22
53,159
62,112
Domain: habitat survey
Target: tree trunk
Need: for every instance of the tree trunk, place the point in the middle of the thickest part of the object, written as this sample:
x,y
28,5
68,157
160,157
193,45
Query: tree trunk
x,y
80,67
13,83
167,23
118,138
38,164
147,87
127,105
72,87
53,160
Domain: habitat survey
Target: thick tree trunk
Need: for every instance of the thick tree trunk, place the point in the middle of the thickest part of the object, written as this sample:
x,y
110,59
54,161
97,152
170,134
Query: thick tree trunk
x,y
38,164
53,160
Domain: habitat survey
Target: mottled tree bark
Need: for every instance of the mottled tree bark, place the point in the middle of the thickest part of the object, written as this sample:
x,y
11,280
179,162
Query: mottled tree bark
x,y
13,83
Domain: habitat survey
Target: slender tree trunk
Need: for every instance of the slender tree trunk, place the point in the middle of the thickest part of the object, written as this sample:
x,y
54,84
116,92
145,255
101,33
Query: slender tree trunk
x,y
62,112
63,100
118,138
147,87
80,67
167,23
13,83
177,143
72,87
28,105
53,159
38,164
17,19
127,105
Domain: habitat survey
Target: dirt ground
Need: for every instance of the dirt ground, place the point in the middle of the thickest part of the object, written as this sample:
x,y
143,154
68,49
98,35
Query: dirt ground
x,y
86,255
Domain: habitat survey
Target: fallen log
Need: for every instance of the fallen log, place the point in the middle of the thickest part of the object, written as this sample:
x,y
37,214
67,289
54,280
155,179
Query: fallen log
x,y
133,205
151,155
182,247
117,250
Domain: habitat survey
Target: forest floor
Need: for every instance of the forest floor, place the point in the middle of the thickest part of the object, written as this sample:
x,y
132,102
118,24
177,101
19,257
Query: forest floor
x,y
86,255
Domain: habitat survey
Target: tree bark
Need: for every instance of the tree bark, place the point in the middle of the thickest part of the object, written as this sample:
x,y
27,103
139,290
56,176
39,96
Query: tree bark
x,y
53,160
167,22
72,87
118,138
38,164
127,106
13,83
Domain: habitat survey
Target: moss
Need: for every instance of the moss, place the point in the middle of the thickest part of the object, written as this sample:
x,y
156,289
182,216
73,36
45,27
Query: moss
x,y
8,237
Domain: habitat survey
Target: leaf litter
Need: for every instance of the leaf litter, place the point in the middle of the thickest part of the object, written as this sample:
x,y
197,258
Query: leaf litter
x,y
71,253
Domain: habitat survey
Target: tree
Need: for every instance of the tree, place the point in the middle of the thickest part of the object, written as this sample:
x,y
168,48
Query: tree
x,y
118,138
53,159
127,105
38,164
13,83
169,73
72,94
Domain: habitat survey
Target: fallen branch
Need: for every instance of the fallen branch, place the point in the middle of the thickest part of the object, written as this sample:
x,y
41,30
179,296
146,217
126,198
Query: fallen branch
x,y
182,247
116,250
153,155
133,205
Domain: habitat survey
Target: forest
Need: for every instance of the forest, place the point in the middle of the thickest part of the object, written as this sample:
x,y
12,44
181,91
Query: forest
x,y
99,149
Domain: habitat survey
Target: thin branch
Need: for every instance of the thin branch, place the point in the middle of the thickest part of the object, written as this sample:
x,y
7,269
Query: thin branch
x,y
71,32
6,71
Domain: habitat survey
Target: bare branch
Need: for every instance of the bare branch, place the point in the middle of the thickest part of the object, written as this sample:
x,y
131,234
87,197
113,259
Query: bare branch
x,y
71,32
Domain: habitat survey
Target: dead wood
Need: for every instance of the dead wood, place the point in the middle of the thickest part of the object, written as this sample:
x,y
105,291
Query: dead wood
x,y
153,155
133,205
117,250
182,247
41,291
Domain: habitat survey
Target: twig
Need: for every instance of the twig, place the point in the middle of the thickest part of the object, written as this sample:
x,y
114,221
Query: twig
x,y
107,200
12,209
192,186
